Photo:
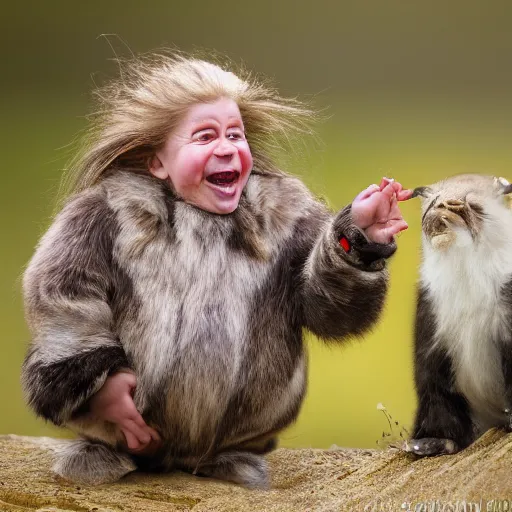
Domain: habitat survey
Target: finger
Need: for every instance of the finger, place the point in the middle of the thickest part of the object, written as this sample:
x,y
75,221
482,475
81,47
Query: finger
x,y
367,192
147,450
388,191
128,376
396,227
144,448
128,379
383,233
404,195
380,236
141,450
136,417
154,435
141,434
131,412
397,186
131,441
384,182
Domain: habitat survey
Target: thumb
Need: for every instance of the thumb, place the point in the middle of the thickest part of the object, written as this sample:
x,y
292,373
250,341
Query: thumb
x,y
129,380
396,227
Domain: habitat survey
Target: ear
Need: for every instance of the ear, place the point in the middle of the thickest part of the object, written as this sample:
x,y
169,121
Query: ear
x,y
502,186
157,169
422,191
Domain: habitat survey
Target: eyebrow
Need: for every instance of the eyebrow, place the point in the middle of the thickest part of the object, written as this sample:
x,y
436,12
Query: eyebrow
x,y
429,207
205,119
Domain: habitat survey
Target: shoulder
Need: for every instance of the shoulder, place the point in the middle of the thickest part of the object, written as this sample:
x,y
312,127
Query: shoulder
x,y
97,212
86,208
80,237
285,199
84,226
136,192
282,191
276,186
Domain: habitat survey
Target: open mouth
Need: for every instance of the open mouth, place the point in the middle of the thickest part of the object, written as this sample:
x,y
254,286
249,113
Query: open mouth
x,y
436,225
224,178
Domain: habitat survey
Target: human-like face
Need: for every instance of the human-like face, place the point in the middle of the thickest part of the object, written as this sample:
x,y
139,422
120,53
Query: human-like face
x,y
207,158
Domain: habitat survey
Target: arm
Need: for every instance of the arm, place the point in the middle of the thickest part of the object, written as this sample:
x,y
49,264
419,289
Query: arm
x,y
66,291
344,288
345,278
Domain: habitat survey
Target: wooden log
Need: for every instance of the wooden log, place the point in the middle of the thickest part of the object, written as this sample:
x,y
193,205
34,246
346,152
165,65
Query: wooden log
x,y
302,480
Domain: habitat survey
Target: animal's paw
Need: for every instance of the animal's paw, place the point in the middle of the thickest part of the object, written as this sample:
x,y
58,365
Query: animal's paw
x,y
429,446
91,463
243,468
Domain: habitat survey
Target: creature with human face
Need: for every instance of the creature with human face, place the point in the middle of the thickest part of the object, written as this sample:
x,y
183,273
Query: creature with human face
x,y
207,159
169,298
463,335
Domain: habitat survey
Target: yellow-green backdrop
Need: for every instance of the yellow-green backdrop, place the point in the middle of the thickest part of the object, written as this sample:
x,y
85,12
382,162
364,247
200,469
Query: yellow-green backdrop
x,y
411,90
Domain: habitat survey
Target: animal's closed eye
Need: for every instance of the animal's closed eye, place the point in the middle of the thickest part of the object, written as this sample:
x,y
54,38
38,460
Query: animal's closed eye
x,y
477,208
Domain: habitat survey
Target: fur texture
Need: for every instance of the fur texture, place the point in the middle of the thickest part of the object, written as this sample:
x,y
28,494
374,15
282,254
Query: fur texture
x,y
463,326
207,310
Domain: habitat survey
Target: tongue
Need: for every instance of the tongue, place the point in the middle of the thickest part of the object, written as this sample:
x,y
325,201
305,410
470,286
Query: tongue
x,y
223,178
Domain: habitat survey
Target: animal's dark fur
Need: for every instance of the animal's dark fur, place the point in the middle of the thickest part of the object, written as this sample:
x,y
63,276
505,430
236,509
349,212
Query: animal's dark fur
x,y
442,411
207,310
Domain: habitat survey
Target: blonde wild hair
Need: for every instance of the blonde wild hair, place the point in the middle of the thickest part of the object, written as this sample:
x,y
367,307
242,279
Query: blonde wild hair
x,y
136,113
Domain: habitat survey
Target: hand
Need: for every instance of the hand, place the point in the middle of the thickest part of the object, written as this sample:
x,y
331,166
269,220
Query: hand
x,y
375,210
114,403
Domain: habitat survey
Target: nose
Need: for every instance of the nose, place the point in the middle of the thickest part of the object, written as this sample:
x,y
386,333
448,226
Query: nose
x,y
454,205
224,147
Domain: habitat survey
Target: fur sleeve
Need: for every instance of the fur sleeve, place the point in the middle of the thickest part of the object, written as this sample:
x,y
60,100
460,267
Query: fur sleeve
x,y
344,290
66,291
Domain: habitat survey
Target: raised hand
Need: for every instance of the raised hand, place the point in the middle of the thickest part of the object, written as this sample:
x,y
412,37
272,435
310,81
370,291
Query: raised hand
x,y
114,403
376,211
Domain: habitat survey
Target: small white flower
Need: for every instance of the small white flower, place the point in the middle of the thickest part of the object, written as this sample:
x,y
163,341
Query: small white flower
x,y
380,407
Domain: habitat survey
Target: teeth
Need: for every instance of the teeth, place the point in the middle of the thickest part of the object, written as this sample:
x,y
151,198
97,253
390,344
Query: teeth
x,y
223,179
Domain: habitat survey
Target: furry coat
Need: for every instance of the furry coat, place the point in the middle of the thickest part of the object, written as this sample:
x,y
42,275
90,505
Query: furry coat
x,y
207,310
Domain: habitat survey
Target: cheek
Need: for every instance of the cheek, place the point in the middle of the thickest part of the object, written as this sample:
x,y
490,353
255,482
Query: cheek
x,y
245,155
189,169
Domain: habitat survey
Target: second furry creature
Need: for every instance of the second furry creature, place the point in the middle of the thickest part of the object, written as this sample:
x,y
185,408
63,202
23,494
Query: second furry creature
x,y
463,340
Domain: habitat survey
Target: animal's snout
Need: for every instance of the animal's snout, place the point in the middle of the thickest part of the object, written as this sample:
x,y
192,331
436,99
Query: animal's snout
x,y
454,205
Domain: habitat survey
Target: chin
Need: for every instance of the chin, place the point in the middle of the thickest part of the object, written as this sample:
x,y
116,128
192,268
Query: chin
x,y
457,238
443,241
222,207
225,210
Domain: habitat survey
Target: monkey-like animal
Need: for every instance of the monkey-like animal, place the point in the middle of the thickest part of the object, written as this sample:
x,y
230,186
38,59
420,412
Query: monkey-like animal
x,y
207,311
463,333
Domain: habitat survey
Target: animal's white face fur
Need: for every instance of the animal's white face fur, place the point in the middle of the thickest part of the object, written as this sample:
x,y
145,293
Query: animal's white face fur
x,y
467,259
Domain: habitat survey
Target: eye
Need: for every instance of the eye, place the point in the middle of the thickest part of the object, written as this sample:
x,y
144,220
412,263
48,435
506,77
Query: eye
x,y
477,208
236,135
204,136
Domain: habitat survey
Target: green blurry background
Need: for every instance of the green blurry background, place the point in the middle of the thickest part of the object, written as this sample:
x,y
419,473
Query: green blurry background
x,y
412,90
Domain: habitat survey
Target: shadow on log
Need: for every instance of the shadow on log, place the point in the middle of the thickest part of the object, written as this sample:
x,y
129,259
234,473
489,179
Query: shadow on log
x,y
302,480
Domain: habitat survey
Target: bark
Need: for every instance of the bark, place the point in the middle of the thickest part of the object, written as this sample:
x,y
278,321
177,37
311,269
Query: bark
x,y
302,480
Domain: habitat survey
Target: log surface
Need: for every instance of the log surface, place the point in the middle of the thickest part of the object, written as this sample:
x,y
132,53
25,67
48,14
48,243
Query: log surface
x,y
301,480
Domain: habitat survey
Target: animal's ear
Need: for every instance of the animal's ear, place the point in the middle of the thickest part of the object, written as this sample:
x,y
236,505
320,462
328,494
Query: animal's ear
x,y
502,186
422,191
